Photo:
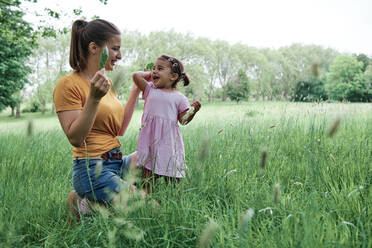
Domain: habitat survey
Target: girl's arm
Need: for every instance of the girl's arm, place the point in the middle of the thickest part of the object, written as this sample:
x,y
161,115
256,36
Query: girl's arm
x,y
129,109
186,116
141,78
77,123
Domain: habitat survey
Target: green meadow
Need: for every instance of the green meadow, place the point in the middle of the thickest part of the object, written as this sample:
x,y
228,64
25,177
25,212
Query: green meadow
x,y
260,174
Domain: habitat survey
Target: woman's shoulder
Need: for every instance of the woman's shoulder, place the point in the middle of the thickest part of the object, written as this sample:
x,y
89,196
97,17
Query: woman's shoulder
x,y
71,83
70,80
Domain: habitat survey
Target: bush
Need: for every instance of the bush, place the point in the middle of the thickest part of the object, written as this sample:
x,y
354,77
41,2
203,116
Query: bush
x,y
310,91
32,108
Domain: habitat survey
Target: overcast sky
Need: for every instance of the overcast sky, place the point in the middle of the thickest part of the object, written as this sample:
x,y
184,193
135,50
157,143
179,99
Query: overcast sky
x,y
344,25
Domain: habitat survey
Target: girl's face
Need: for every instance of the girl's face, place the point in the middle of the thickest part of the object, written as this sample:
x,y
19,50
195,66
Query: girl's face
x,y
162,75
113,46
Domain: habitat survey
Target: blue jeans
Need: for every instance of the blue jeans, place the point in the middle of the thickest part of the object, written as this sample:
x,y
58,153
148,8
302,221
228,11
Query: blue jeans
x,y
100,183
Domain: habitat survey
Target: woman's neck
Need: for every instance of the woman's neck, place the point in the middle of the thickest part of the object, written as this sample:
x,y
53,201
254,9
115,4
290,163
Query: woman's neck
x,y
90,69
88,73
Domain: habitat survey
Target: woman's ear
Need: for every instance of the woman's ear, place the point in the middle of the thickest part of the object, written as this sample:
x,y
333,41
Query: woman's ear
x,y
93,48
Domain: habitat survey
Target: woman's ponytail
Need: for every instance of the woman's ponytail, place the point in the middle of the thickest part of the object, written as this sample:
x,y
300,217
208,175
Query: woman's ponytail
x,y
76,58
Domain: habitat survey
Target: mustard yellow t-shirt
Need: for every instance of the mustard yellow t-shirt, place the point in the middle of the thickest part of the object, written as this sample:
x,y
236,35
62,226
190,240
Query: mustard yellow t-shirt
x,y
71,93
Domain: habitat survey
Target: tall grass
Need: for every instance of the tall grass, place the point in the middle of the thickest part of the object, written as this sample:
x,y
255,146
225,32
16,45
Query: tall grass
x,y
313,190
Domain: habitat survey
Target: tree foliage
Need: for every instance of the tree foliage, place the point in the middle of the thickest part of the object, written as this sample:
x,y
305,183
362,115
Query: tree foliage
x,y
238,88
217,68
347,81
17,40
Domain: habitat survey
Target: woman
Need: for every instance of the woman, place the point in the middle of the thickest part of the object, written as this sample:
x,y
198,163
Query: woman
x,y
91,115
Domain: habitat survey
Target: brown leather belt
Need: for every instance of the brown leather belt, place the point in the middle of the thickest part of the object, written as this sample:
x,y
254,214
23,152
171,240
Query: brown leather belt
x,y
117,155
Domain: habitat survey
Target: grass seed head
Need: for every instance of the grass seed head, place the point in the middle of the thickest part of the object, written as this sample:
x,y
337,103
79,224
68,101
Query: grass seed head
x,y
98,169
277,193
332,157
334,127
204,148
208,234
263,157
246,218
315,70
30,128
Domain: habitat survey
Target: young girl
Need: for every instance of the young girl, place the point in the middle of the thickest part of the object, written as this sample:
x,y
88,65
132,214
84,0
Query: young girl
x,y
160,146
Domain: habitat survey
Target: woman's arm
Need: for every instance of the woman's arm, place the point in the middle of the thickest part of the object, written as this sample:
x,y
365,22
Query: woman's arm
x,y
129,108
186,116
140,78
77,123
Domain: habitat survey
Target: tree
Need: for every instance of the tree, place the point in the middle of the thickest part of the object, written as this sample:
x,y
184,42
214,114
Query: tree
x,y
368,77
346,80
226,61
238,89
17,40
49,62
364,59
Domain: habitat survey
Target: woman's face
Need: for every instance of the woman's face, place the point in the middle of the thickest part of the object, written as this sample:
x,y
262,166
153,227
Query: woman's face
x,y
113,46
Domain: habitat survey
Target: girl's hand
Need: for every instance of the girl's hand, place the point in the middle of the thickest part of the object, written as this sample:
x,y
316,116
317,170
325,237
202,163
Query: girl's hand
x,y
196,106
147,75
99,85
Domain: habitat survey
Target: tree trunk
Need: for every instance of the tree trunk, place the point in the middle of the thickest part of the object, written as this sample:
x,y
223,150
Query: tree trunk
x,y
224,95
285,96
18,111
53,111
12,113
43,104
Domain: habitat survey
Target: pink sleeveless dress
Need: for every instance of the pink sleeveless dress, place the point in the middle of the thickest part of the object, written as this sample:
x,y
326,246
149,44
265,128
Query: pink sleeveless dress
x,y
160,144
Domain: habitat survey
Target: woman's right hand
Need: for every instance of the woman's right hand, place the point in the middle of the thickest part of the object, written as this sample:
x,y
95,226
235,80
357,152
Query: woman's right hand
x,y
100,85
